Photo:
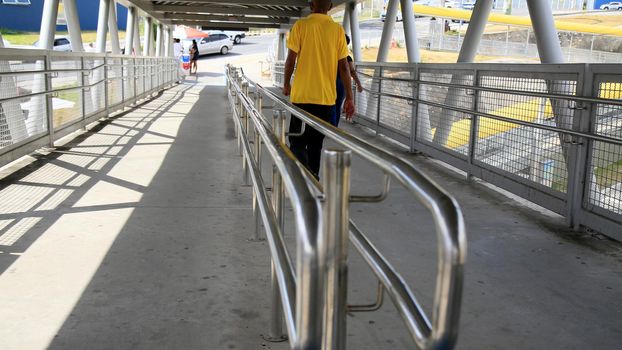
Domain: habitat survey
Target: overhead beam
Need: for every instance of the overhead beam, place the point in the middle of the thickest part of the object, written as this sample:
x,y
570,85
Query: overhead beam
x,y
290,3
240,19
225,25
224,10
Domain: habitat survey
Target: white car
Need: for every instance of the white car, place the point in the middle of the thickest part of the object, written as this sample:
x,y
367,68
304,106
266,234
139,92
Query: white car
x,y
214,43
60,44
614,5
236,36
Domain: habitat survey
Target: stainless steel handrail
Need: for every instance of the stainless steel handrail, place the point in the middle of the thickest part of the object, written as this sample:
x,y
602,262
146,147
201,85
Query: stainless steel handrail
x,y
441,332
306,331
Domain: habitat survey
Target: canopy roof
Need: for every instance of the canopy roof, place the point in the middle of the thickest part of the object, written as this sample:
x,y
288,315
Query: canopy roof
x,y
236,14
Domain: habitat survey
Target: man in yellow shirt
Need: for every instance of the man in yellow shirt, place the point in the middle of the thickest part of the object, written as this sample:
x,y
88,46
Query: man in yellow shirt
x,y
319,46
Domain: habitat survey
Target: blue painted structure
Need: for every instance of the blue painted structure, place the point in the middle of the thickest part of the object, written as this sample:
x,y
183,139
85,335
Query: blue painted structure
x,y
28,17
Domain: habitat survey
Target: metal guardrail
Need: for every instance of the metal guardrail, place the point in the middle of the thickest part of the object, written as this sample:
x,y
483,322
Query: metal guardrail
x,y
45,95
313,297
551,134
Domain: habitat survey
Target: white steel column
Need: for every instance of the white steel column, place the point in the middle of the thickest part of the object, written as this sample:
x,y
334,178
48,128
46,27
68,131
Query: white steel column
x,y
102,25
346,19
137,36
168,42
129,30
281,45
48,24
410,31
355,32
467,54
158,48
474,32
549,48
148,42
113,28
387,31
73,25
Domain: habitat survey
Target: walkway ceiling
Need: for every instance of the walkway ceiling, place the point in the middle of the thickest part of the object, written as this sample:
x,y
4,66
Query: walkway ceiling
x,y
236,14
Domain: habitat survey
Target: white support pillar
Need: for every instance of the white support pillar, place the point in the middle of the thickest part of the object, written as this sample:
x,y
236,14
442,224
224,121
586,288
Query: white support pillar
x,y
129,30
467,54
549,48
387,31
355,32
147,36
474,32
346,20
137,37
102,26
73,25
410,31
281,45
113,28
159,36
168,42
48,24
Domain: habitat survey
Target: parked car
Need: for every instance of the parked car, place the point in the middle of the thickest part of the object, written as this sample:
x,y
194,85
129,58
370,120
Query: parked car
x,y
614,5
60,44
460,4
214,43
235,35
398,18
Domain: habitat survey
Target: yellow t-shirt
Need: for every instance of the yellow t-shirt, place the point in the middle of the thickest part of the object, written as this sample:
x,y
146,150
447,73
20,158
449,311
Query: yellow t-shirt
x,y
319,43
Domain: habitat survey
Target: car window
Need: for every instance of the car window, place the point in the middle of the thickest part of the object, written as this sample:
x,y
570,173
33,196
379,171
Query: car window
x,y
61,41
213,37
222,36
204,40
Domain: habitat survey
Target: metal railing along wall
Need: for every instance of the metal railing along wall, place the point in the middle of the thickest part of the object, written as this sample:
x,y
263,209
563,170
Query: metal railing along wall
x,y
551,134
45,95
311,293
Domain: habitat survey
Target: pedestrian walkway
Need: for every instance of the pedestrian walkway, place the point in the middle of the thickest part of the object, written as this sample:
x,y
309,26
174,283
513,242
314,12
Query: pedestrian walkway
x,y
134,236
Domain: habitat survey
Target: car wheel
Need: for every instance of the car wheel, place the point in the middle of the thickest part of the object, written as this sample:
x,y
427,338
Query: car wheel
x,y
606,8
224,50
237,39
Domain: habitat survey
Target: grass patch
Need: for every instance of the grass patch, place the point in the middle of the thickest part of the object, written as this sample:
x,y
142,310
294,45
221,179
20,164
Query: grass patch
x,y
609,175
29,38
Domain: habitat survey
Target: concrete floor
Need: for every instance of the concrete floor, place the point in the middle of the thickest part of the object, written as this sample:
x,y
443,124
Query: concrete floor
x,y
134,236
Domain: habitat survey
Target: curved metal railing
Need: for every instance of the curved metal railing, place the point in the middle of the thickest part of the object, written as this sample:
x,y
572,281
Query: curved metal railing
x,y
438,333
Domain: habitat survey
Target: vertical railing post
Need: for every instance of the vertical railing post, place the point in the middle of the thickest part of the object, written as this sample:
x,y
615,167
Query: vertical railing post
x,y
123,80
106,92
245,130
414,122
379,99
335,207
257,140
135,79
474,131
83,92
49,107
278,197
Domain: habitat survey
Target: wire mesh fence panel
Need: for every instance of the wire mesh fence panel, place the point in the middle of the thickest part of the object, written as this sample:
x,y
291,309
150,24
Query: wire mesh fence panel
x,y
366,101
95,94
67,103
532,153
21,118
128,75
115,81
605,172
140,76
396,112
449,128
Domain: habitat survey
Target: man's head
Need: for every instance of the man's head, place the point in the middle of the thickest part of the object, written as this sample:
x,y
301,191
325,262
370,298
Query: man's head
x,y
321,6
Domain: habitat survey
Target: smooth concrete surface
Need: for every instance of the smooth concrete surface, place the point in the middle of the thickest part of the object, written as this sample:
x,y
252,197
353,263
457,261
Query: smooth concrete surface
x,y
134,236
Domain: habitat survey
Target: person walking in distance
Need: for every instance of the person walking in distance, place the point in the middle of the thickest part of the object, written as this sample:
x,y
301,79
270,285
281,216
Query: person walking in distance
x,y
318,50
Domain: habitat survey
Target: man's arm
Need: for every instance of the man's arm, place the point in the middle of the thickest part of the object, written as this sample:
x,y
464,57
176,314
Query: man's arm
x,y
290,63
344,74
355,76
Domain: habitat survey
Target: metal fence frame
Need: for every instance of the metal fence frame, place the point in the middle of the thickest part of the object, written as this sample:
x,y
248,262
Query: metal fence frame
x,y
113,79
580,104
324,226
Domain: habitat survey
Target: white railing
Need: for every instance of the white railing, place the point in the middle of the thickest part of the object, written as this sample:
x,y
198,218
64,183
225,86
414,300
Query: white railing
x,y
45,95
